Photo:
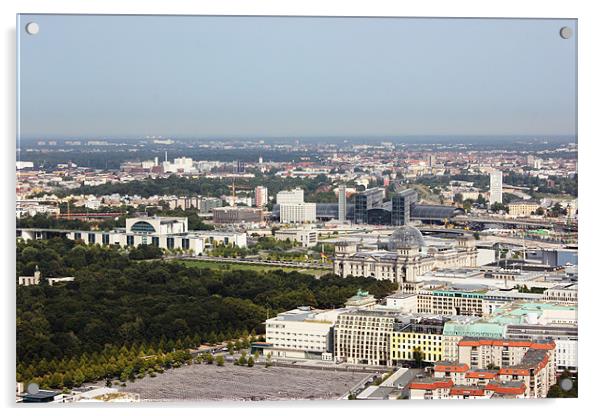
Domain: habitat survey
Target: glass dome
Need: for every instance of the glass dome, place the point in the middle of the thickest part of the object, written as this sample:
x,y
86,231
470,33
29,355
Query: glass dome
x,y
405,237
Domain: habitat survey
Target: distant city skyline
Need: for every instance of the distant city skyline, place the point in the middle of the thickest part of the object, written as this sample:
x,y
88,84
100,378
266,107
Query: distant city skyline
x,y
194,76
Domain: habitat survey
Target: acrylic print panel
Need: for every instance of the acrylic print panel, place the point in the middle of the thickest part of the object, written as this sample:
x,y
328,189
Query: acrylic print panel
x,y
281,208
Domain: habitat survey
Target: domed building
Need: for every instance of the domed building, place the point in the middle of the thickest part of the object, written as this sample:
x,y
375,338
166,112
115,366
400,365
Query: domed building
x,y
405,237
406,257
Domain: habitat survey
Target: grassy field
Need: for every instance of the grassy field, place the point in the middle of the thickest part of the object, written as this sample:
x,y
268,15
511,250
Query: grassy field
x,y
202,264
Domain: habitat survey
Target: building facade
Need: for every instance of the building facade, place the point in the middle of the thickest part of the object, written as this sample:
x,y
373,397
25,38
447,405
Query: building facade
x,y
364,337
522,208
406,258
495,187
261,196
306,237
418,338
300,213
401,206
302,333
237,215
293,196
169,233
342,203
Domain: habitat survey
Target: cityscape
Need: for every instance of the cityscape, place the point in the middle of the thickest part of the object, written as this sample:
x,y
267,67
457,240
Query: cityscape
x,y
441,270
240,266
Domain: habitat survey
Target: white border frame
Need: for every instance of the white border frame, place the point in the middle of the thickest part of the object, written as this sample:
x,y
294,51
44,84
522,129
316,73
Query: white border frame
x,y
589,88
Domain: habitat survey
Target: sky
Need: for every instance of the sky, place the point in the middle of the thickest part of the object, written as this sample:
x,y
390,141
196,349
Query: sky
x,y
194,76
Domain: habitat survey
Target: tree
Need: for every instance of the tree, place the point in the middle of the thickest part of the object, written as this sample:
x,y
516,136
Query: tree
x,y
250,362
418,356
220,360
496,207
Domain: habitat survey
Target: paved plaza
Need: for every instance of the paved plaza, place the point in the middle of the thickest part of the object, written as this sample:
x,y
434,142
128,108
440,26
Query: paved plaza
x,y
200,382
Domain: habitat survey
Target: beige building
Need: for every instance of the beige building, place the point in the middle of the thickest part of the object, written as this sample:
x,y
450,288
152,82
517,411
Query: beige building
x,y
364,337
531,363
522,208
489,368
450,302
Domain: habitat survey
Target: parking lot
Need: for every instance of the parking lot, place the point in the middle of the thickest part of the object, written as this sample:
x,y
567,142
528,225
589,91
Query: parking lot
x,y
201,382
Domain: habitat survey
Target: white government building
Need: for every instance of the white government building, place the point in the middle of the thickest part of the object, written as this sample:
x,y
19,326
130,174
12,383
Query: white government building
x,y
165,232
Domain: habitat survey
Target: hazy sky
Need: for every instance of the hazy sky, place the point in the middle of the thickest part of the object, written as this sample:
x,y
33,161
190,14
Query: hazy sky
x,y
108,76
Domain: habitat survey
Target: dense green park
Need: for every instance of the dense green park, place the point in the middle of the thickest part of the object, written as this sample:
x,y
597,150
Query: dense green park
x,y
122,317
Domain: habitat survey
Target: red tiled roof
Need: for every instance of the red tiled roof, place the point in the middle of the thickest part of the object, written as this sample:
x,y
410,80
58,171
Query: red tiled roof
x,y
456,368
501,389
467,391
442,384
481,374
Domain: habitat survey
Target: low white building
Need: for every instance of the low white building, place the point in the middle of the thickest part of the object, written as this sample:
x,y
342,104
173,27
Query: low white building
x,y
306,236
405,302
169,233
563,294
302,333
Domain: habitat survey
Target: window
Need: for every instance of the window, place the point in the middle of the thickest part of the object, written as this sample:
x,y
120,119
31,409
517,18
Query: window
x,y
77,236
170,242
130,240
91,238
142,227
106,239
185,243
155,241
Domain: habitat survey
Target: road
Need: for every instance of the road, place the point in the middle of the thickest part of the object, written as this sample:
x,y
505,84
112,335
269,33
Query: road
x,y
301,265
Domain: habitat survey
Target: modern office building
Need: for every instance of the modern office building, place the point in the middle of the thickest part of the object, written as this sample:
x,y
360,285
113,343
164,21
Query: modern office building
x,y
261,196
304,333
365,201
293,196
401,207
298,213
495,187
237,215
382,215
342,203
207,204
307,237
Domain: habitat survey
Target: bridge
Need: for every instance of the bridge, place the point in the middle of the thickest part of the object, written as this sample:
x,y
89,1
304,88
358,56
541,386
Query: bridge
x,y
462,219
78,215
